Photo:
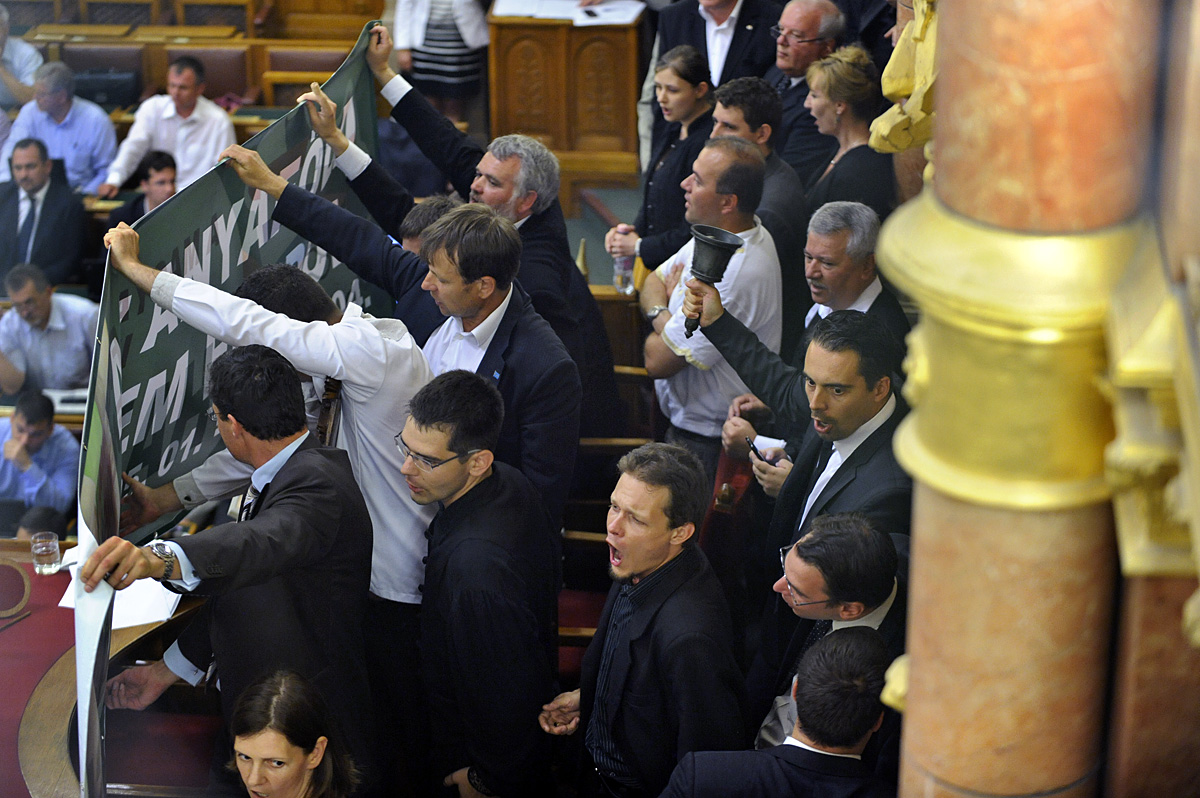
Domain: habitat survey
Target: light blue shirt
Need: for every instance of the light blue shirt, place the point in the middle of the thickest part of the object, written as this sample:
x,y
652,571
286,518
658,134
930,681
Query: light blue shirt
x,y
84,140
21,59
50,479
59,356
262,476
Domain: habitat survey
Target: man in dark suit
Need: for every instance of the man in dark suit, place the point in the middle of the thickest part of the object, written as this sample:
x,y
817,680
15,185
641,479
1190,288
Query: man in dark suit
x,y
837,690
41,220
287,583
808,30
489,629
844,572
659,678
750,109
156,179
517,177
472,257
839,266
744,47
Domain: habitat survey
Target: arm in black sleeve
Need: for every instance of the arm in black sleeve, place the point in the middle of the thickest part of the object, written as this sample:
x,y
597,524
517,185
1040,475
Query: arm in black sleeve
x,y
383,196
451,150
766,374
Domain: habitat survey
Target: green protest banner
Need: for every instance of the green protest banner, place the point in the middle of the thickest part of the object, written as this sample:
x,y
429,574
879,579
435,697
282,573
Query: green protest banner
x,y
147,405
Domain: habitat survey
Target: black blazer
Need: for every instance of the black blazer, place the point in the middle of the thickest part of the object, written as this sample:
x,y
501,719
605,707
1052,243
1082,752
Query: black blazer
x,y
798,141
779,771
558,290
128,213
58,242
862,175
532,370
288,589
782,195
677,688
660,221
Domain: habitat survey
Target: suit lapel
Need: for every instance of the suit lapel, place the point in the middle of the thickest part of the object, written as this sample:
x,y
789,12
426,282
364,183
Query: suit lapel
x,y
492,365
743,32
847,471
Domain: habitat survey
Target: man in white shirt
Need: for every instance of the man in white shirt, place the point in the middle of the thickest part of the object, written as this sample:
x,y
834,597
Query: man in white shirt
x,y
46,339
838,685
182,122
693,381
18,61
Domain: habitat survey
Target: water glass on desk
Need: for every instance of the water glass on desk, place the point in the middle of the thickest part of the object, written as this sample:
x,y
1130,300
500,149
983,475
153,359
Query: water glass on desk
x,y
46,557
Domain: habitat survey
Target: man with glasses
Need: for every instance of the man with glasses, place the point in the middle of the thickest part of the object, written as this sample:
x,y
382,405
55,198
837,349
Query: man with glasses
x,y
844,572
46,339
808,30
378,367
489,618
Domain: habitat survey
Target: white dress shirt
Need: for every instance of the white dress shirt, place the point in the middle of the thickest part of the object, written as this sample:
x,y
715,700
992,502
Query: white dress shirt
x,y
718,39
450,347
843,449
380,367
196,142
697,398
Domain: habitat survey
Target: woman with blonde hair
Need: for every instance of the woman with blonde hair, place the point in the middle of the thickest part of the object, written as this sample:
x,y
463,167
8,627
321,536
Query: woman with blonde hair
x,y
844,97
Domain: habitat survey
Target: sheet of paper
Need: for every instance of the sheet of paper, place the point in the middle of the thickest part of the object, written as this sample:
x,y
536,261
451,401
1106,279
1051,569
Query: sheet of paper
x,y
610,12
510,8
556,9
145,601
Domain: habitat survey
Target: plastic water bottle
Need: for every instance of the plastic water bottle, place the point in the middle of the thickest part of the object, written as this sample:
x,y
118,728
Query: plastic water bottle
x,y
623,274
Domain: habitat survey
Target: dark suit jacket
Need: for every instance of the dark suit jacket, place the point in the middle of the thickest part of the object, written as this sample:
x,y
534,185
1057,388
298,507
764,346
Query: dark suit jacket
x,y
782,195
58,242
677,688
559,292
862,175
288,589
779,771
751,52
660,221
128,213
536,377
798,142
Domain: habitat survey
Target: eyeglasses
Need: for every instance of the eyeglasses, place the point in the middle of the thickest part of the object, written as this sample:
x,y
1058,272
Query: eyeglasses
x,y
425,463
783,553
212,414
793,36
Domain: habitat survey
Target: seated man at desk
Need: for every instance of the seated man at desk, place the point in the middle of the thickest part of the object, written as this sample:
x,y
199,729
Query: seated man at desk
x,y
39,464
182,122
42,220
46,339
18,61
156,180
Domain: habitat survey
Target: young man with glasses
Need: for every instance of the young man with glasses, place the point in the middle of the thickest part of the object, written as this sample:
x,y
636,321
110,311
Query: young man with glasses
x,y
489,617
844,572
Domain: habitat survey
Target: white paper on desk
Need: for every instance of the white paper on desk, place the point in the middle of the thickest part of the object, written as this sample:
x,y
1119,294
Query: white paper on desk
x,y
145,601
556,9
610,12
510,8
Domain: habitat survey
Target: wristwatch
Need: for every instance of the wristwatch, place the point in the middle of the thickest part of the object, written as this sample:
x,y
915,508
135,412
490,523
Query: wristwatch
x,y
167,554
653,312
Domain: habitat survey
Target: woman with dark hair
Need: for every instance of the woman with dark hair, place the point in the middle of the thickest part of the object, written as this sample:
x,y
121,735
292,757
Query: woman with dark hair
x,y
285,744
682,89
844,97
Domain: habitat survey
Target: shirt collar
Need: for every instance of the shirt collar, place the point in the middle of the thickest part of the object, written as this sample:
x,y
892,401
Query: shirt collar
x,y
731,21
56,321
846,446
266,472
862,304
873,618
637,593
485,331
790,740
40,195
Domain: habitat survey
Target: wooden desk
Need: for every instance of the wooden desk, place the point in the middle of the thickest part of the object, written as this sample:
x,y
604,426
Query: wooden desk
x,y
181,34
247,120
74,32
73,422
573,89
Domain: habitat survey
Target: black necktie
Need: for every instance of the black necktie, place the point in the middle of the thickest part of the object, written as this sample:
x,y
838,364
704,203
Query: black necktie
x,y
25,234
251,498
822,460
819,630
783,84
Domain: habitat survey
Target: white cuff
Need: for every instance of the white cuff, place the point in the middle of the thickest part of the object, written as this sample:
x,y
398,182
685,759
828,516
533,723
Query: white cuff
x,y
187,572
180,666
395,89
353,162
763,442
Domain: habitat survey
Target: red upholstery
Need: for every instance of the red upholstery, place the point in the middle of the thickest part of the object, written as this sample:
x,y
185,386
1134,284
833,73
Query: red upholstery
x,y
576,608
160,748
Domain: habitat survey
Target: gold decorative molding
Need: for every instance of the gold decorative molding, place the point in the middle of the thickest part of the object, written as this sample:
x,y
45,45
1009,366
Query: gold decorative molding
x,y
1004,317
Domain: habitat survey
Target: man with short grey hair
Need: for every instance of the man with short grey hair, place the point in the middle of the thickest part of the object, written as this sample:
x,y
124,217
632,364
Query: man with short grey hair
x,y
74,130
808,30
46,340
18,61
517,177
